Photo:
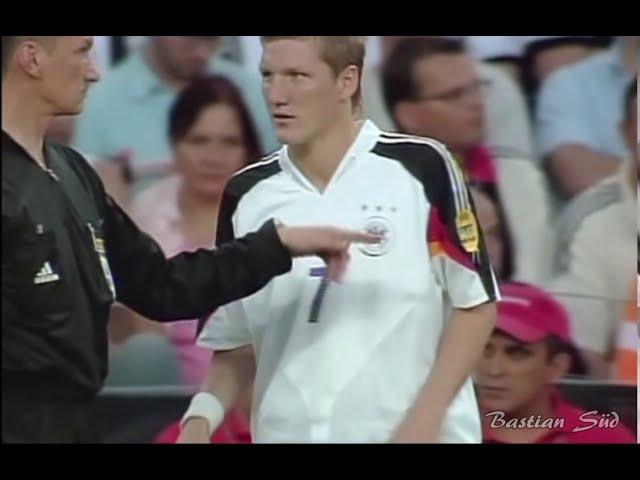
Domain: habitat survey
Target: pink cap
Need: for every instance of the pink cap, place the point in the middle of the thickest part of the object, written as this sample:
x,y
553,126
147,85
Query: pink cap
x,y
530,315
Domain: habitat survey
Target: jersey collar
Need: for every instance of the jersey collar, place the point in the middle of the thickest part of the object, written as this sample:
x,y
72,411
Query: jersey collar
x,y
363,144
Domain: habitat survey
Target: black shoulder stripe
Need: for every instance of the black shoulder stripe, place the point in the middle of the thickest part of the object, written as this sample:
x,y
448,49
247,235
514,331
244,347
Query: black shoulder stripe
x,y
247,179
236,189
443,186
421,160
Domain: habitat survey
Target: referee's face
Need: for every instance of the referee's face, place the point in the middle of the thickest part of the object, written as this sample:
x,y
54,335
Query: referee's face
x,y
67,72
303,94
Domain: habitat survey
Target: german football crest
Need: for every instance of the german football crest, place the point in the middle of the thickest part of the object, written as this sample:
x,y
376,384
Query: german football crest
x,y
380,227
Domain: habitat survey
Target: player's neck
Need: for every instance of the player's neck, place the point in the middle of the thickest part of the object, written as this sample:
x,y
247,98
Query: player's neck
x,y
319,159
23,118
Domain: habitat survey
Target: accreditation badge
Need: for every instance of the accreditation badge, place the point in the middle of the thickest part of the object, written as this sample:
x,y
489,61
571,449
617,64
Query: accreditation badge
x,y
468,231
99,246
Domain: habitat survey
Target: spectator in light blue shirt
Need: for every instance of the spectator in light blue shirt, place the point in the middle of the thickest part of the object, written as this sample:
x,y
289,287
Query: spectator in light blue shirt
x,y
578,110
128,111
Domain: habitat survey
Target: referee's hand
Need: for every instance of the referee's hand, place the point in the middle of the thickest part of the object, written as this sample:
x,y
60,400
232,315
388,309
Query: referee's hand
x,y
331,244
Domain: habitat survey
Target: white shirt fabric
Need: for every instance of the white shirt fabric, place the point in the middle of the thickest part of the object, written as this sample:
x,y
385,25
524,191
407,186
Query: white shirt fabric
x,y
595,248
352,376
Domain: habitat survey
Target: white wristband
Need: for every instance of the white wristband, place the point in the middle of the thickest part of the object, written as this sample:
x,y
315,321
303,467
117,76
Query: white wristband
x,y
208,407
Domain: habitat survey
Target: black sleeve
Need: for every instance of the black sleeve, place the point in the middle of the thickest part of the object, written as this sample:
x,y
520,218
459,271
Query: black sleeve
x,y
453,230
454,222
225,233
191,285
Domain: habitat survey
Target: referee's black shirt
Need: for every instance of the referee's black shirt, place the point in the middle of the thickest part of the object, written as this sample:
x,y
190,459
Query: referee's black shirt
x,y
56,293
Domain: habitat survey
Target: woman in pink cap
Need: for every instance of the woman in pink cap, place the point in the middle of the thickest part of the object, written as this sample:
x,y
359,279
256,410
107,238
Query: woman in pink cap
x,y
529,351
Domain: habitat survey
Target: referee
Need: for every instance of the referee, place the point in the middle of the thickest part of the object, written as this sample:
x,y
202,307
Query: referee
x,y
68,252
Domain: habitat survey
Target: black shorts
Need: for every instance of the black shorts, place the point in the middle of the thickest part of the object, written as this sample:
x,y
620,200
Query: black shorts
x,y
45,413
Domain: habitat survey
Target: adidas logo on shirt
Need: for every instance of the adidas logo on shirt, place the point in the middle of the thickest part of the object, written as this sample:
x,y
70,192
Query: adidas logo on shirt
x,y
46,275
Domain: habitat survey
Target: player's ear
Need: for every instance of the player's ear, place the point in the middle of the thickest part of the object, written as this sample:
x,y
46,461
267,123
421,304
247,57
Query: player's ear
x,y
348,82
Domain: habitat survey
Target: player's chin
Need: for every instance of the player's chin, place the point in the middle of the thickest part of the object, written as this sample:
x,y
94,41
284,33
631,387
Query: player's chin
x,y
291,138
285,135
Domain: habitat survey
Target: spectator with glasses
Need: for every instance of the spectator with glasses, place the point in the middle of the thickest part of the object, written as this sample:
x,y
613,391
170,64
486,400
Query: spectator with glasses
x,y
433,88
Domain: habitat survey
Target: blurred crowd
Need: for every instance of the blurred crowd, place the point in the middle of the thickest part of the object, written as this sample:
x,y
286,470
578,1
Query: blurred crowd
x,y
544,128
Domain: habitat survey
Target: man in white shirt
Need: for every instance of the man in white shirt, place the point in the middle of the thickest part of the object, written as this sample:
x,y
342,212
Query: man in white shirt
x,y
509,130
385,356
595,252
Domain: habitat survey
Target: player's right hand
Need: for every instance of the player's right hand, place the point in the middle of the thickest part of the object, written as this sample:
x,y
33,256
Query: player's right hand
x,y
195,431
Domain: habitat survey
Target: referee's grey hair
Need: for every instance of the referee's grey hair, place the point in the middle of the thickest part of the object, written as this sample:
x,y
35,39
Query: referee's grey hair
x,y
339,52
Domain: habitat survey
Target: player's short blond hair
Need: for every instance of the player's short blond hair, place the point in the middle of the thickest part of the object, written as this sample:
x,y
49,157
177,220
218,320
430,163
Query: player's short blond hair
x,y
339,53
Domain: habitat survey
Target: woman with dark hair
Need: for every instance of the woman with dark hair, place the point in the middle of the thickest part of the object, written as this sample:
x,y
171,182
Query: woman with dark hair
x,y
493,222
212,137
